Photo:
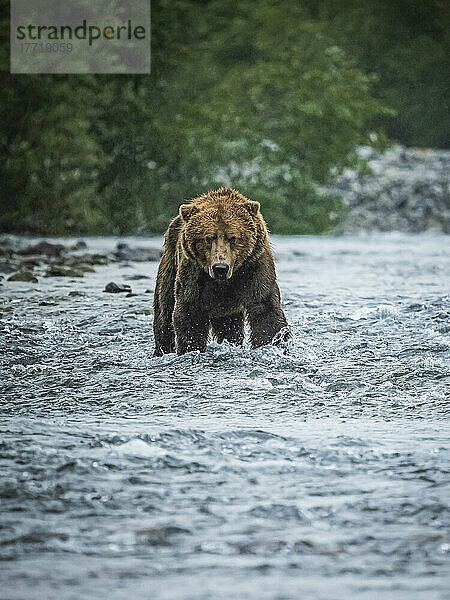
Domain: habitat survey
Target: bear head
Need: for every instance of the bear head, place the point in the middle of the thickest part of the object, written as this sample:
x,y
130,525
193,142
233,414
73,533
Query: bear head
x,y
220,231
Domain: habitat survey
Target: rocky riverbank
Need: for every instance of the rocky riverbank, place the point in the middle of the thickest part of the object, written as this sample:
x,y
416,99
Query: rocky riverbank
x,y
408,190
22,261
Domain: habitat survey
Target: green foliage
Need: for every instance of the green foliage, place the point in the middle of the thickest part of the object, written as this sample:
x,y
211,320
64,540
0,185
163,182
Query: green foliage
x,y
49,162
269,97
291,109
407,44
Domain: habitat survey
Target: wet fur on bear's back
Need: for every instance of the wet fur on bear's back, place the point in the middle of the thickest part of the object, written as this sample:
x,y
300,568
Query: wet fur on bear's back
x,y
220,234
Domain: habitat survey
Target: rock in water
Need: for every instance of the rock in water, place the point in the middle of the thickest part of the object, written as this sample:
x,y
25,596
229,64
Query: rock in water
x,y
44,248
79,245
23,275
84,268
61,271
96,259
77,293
83,259
115,288
125,252
137,277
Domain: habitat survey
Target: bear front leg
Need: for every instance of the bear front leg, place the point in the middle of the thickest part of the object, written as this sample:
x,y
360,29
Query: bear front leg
x,y
191,326
164,333
163,309
229,328
266,319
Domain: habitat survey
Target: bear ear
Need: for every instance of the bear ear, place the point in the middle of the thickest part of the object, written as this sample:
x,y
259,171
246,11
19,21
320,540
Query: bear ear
x,y
252,207
187,210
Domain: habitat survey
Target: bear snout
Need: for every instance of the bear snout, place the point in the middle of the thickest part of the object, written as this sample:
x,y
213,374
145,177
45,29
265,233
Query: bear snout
x,y
220,271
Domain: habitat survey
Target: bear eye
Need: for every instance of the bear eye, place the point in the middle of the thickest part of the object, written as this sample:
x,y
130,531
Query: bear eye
x,y
232,239
209,240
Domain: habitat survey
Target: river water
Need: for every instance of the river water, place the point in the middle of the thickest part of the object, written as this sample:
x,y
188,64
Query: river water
x,y
236,474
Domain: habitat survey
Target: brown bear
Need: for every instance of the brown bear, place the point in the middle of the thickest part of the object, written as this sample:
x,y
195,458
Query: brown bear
x,y
217,271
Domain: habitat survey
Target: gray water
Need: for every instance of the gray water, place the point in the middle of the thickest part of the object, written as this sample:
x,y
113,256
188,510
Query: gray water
x,y
239,473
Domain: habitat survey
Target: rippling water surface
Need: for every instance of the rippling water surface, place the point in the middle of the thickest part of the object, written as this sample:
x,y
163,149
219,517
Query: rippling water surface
x,y
237,473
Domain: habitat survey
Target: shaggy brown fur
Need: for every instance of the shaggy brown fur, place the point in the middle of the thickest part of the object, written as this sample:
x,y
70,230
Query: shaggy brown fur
x,y
216,271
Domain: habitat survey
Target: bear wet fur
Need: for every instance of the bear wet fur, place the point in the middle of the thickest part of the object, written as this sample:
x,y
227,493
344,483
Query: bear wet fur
x,y
217,272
